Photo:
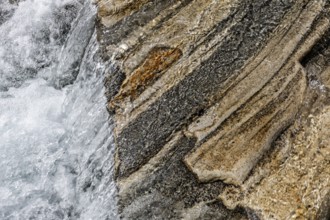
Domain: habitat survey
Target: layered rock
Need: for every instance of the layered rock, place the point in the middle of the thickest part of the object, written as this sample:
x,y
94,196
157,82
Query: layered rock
x,y
199,92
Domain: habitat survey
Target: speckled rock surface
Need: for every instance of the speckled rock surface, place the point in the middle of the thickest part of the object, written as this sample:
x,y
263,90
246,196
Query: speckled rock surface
x,y
214,101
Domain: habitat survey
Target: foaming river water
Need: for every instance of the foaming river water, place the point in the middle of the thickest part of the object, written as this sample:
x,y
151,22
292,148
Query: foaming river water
x,y
56,146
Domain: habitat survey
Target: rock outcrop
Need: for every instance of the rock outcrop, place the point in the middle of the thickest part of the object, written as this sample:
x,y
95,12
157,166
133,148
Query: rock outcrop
x,y
221,107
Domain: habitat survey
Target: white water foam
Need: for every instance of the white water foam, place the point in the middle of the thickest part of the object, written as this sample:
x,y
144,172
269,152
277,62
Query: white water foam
x,y
56,146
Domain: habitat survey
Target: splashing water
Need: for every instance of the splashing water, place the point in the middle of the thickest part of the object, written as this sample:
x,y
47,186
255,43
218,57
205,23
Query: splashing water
x,y
56,146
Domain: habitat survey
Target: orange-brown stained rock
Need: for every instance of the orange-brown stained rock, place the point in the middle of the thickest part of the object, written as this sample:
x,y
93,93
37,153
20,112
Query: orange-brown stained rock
x,y
157,60
118,7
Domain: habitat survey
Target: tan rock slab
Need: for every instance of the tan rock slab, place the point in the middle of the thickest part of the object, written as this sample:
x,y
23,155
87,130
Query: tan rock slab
x,y
297,183
235,149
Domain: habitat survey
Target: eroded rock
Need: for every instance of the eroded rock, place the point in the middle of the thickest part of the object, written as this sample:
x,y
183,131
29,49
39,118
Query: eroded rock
x,y
200,90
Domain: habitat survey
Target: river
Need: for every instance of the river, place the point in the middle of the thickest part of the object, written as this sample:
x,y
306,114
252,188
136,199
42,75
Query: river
x,y
56,143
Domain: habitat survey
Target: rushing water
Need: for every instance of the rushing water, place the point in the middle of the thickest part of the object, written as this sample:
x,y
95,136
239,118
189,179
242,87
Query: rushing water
x,y
56,146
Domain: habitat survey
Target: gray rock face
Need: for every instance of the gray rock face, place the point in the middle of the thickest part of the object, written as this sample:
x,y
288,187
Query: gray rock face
x,y
199,91
195,93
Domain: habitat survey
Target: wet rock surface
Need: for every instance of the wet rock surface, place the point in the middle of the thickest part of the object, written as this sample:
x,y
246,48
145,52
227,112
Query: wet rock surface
x,y
214,101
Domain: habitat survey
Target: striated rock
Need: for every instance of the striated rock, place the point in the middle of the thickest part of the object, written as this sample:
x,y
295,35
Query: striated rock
x,y
157,61
293,181
213,103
